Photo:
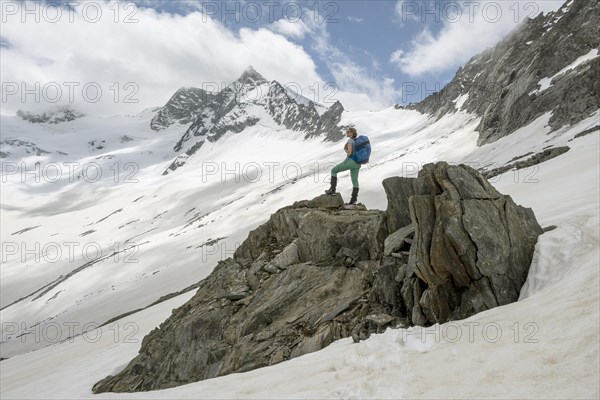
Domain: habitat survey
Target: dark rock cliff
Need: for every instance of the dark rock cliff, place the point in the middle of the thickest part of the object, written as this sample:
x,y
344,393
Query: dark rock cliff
x,y
524,76
183,107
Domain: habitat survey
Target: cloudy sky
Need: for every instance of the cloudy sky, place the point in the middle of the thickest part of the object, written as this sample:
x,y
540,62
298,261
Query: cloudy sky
x,y
109,57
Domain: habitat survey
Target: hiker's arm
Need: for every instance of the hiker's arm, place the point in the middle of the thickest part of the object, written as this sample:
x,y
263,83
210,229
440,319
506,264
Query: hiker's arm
x,y
348,148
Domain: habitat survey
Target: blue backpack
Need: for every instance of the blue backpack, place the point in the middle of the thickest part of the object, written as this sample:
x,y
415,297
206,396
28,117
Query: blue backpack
x,y
362,150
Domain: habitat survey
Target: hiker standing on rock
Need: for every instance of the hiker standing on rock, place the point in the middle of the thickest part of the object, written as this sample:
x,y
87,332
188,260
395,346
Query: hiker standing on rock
x,y
348,164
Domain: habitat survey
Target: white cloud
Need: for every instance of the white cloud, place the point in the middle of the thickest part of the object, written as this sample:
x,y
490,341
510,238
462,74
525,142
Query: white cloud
x,y
397,56
295,29
355,19
158,54
467,30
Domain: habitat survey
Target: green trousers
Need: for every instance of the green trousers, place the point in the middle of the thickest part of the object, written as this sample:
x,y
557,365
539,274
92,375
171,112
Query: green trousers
x,y
348,164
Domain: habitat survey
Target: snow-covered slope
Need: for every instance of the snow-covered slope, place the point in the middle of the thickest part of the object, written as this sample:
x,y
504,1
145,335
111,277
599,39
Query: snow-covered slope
x,y
200,215
93,229
546,345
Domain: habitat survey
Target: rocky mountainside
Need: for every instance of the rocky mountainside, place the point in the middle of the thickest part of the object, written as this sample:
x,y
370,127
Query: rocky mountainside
x,y
449,245
549,63
242,104
56,116
182,108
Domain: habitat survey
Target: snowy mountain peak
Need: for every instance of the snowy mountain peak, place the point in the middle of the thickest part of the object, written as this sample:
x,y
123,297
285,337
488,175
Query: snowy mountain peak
x,y
251,76
246,102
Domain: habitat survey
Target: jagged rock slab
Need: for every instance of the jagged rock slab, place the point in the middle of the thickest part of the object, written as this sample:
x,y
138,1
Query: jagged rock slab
x,y
396,240
181,159
472,246
398,190
324,200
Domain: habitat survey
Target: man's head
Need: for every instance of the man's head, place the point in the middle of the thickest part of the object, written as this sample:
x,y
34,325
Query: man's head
x,y
351,132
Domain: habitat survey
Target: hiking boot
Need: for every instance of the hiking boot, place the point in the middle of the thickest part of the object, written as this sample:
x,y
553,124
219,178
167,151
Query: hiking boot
x,y
354,195
331,189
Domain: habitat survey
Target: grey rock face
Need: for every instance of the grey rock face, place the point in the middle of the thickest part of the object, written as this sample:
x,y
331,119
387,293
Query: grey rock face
x,y
181,159
394,242
398,190
58,115
316,272
536,159
183,107
472,245
361,236
284,293
324,200
330,122
503,83
14,144
292,115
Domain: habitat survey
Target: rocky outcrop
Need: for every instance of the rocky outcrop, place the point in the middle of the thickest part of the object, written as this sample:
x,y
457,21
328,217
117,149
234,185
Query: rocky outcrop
x,y
536,159
398,190
319,270
329,124
55,116
10,146
472,246
297,283
297,117
531,72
